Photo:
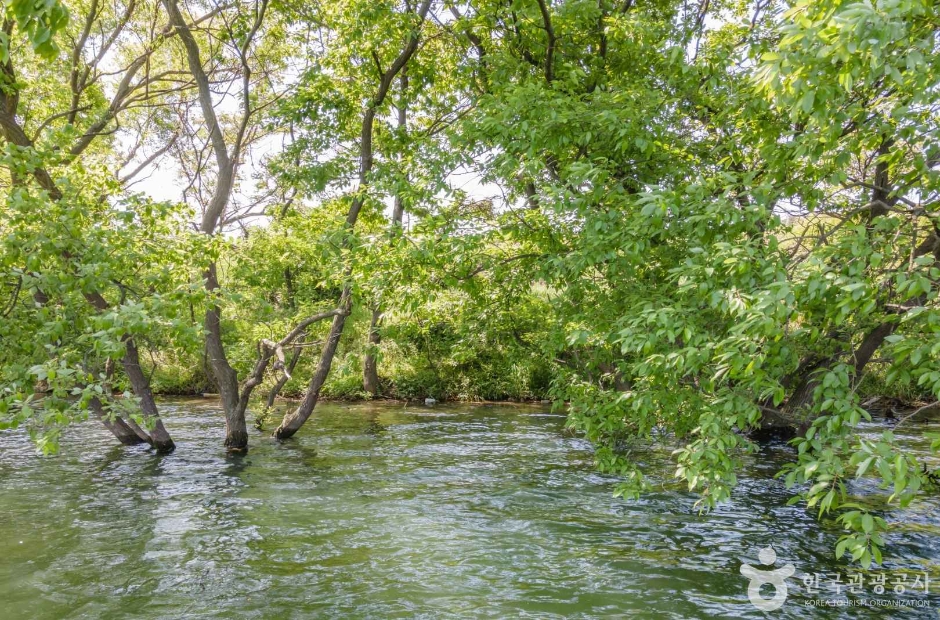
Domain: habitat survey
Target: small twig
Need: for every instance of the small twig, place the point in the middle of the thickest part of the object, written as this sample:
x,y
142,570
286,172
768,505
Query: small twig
x,y
915,412
15,297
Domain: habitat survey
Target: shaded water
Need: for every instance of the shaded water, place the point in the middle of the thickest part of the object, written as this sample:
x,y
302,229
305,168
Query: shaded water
x,y
391,511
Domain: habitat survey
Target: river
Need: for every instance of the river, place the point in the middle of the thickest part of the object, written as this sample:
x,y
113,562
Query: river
x,y
394,511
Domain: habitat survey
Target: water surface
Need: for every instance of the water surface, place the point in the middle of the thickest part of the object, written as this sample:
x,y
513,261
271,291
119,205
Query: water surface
x,y
393,511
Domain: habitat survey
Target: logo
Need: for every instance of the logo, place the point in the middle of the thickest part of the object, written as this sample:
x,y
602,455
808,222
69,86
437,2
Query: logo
x,y
777,578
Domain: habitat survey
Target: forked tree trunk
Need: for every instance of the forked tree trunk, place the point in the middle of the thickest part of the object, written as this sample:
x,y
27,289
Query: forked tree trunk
x,y
144,436
140,384
284,378
121,430
236,429
268,349
293,421
160,437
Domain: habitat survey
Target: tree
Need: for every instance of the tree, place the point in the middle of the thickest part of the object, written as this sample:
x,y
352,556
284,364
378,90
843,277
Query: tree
x,y
714,223
88,244
737,216
238,34
390,56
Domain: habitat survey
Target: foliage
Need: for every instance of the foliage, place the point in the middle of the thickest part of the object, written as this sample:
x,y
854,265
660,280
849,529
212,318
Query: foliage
x,y
38,21
702,224
130,247
733,264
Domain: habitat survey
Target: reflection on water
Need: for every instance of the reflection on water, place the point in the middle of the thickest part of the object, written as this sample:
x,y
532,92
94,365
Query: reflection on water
x,y
392,511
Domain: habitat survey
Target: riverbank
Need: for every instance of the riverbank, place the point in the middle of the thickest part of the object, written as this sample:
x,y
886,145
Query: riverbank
x,y
888,408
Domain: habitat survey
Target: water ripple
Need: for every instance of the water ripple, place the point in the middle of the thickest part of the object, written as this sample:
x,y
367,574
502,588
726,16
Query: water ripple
x,y
384,511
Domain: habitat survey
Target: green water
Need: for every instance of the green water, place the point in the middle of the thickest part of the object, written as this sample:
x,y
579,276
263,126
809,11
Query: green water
x,y
388,511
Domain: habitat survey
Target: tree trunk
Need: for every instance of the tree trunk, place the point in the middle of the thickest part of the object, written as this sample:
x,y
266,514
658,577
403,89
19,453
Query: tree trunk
x,y
144,436
370,369
289,284
806,377
370,366
793,418
268,349
160,438
282,381
866,350
124,433
293,421
236,429
131,362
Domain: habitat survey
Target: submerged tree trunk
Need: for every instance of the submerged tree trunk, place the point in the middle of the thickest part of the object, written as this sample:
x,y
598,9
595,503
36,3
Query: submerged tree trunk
x,y
293,421
118,427
144,436
127,431
159,436
268,349
140,384
794,418
236,428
